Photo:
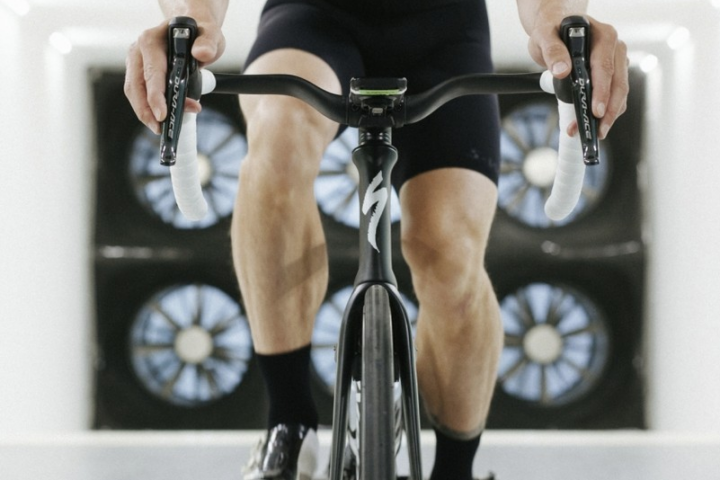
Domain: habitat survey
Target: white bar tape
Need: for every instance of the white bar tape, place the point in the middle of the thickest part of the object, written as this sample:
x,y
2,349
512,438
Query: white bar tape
x,y
185,174
546,82
208,81
570,172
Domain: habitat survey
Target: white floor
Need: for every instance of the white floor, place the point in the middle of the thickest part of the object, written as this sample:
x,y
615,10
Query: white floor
x,y
220,456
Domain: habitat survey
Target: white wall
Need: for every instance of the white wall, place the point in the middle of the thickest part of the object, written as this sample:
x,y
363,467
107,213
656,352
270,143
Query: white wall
x,y
46,198
46,319
683,333
45,281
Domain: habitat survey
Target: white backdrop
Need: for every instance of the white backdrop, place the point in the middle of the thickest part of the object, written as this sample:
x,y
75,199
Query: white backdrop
x,y
46,132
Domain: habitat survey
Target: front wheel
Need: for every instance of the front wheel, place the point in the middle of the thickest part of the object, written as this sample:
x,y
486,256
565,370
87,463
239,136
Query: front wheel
x,y
377,410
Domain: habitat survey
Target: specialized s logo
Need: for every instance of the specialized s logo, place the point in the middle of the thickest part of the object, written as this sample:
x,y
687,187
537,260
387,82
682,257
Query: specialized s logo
x,y
379,196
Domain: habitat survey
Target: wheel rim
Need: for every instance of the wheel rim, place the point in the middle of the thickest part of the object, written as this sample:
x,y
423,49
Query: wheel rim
x,y
327,331
336,187
190,345
529,143
557,345
221,148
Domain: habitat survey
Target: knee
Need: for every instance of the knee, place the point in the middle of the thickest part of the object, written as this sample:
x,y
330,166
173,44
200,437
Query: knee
x,y
452,285
286,141
444,254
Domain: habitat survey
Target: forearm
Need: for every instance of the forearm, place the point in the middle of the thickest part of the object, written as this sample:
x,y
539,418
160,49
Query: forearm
x,y
554,10
200,10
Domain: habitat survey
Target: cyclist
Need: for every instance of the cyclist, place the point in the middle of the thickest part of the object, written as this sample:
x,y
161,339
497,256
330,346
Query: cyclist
x,y
446,176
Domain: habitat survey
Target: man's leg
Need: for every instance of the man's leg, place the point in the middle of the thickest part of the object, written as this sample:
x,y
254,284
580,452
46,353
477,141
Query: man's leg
x,y
447,214
279,249
278,243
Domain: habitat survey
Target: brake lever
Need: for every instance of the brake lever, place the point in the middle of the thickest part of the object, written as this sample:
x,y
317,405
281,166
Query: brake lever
x,y
181,70
577,87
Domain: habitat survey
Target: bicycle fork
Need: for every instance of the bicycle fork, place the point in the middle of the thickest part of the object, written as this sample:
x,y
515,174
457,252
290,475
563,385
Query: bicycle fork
x,y
375,158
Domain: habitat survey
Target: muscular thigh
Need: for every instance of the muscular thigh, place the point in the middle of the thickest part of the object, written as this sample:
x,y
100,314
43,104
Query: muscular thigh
x,y
272,118
303,39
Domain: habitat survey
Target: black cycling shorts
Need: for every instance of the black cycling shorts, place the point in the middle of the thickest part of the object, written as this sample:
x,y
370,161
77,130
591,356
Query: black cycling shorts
x,y
426,46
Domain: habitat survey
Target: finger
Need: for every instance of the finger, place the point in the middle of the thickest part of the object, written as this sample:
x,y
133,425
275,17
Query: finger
x,y
617,103
554,53
192,105
572,129
134,89
602,63
153,47
208,46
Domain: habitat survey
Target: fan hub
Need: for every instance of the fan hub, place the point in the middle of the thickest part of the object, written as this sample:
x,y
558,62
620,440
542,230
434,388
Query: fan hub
x,y
194,345
543,344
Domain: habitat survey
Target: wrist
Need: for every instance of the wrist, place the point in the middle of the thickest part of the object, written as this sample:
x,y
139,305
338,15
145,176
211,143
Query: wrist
x,y
544,14
205,13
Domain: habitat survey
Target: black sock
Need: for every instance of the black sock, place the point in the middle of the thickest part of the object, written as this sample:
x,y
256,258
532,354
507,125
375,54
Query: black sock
x,y
454,457
287,378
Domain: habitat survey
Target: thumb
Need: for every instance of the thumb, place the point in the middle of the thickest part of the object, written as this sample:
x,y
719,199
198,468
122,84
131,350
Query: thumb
x,y
554,53
208,46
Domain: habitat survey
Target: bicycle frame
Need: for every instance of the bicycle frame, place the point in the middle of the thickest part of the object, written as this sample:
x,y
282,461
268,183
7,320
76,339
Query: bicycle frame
x,y
375,158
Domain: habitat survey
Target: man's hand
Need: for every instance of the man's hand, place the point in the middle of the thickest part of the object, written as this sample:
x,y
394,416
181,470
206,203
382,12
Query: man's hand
x,y
146,67
608,62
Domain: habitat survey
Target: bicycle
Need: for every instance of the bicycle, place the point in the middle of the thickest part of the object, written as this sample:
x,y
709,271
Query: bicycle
x,y
375,327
